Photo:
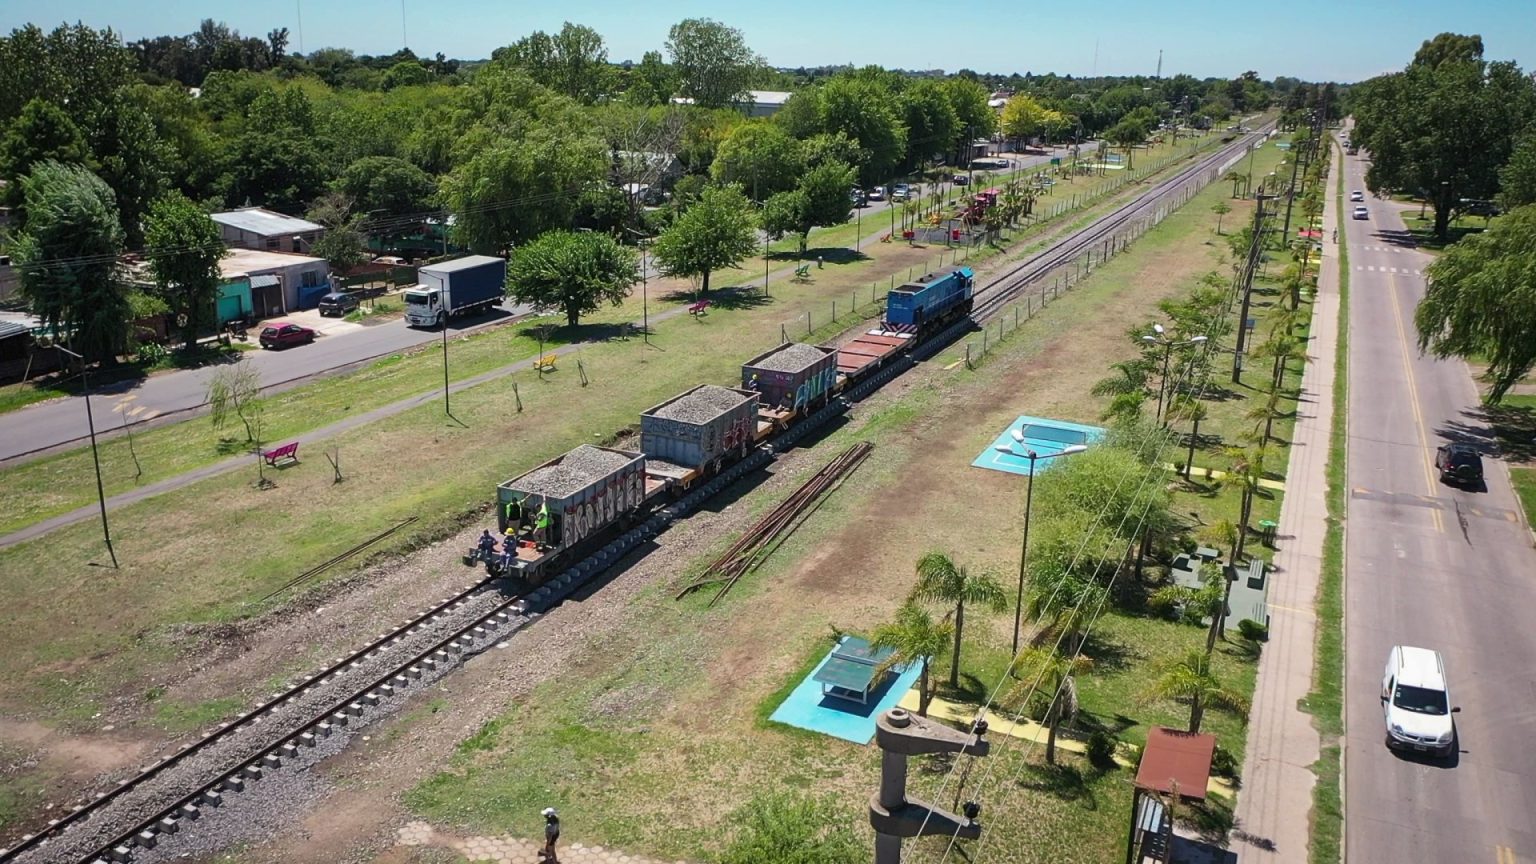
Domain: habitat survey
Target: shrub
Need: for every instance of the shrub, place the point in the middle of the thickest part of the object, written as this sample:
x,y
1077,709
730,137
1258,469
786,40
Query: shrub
x,y
1253,631
1223,763
1101,749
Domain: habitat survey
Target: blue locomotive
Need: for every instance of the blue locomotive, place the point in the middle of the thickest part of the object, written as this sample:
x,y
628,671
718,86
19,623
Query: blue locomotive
x,y
930,301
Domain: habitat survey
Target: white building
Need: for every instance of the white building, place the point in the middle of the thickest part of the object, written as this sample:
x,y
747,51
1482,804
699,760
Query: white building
x,y
256,228
281,282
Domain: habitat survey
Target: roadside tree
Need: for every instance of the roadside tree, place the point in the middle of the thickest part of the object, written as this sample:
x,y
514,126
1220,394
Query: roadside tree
x,y
930,120
915,638
343,245
761,158
941,580
716,231
820,200
1517,179
575,272
870,115
517,189
183,248
1191,678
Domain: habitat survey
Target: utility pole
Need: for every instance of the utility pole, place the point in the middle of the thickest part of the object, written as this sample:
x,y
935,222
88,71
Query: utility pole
x,y
90,422
1255,252
892,814
1290,197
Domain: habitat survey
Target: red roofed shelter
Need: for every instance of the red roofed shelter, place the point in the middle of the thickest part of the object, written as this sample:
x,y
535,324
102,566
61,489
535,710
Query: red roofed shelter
x,y
1174,761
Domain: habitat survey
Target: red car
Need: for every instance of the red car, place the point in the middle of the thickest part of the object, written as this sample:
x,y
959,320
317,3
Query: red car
x,y
285,335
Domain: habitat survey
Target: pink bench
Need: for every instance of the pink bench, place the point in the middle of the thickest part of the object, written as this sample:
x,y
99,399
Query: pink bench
x,y
286,453
698,308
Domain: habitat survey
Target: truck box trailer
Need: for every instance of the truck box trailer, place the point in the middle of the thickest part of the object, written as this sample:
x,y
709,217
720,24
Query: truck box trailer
x,y
463,286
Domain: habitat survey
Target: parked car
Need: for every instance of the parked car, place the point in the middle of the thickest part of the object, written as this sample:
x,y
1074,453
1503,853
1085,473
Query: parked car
x,y
1459,463
960,180
1357,195
1416,703
286,335
857,197
901,192
876,194
337,303
1362,213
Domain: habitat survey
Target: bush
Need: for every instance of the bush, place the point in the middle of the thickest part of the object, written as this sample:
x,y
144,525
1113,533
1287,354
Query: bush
x,y
1101,749
152,353
1223,763
782,827
1252,631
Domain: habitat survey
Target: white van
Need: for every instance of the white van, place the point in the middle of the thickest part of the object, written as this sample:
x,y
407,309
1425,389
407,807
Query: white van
x,y
1416,702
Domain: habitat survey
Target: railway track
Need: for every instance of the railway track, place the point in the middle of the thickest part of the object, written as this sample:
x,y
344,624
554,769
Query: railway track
x,y
317,715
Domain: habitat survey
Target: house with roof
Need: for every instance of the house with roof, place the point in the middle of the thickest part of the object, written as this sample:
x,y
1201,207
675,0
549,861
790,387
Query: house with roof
x,y
266,230
755,103
261,284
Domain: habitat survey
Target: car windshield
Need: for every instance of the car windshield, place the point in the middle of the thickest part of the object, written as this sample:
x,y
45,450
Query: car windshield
x,y
1420,700
270,331
416,299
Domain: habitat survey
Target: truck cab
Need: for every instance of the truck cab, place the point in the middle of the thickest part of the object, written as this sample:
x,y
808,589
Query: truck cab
x,y
424,306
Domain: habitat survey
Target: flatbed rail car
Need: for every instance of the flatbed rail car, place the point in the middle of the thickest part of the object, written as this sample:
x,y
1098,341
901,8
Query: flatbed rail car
x,y
914,311
587,491
693,435
791,381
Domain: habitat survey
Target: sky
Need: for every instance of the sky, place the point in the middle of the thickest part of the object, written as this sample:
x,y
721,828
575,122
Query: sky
x,y
1315,40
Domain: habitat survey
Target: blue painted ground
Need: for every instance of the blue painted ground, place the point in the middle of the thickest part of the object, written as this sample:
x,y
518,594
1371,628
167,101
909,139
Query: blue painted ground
x,y
1042,435
806,708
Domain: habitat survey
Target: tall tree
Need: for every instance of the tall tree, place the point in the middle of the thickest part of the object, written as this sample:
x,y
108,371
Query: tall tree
x,y
66,258
1517,179
1023,117
941,580
974,118
131,158
386,185
344,246
1191,677
42,133
914,637
573,61
575,272
716,231
713,63
760,157
931,121
1445,125
819,200
870,115
517,189
72,65
183,248
277,161
1481,301
652,81
1047,689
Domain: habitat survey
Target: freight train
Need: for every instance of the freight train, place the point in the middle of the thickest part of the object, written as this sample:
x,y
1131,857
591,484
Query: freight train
x,y
549,516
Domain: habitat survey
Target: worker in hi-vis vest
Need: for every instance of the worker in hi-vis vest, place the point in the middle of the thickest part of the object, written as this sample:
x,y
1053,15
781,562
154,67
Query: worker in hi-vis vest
x,y
514,514
541,525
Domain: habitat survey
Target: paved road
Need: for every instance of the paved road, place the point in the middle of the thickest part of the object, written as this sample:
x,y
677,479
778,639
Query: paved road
x,y
61,422
1429,565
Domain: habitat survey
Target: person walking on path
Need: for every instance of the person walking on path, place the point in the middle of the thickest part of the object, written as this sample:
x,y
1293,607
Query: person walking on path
x,y
551,834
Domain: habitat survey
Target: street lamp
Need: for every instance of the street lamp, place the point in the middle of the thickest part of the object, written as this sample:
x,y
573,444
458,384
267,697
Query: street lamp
x,y
101,495
1029,495
1161,338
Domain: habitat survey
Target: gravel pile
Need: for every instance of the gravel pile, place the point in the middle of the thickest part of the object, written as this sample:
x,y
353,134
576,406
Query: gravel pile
x,y
791,358
577,469
246,744
701,406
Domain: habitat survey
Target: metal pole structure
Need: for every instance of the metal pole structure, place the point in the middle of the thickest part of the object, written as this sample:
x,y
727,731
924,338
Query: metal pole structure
x,y
1162,385
90,421
446,409
1018,600
645,290
1254,250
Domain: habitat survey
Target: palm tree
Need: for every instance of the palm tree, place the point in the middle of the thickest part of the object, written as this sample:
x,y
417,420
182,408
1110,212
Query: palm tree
x,y
1062,604
1220,208
1246,470
1207,601
1237,179
1193,410
1131,377
941,580
914,637
1266,413
1190,677
1047,688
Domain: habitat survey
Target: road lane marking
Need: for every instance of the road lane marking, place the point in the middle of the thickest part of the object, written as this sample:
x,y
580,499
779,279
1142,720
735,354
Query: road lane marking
x,y
1413,396
1504,855
1306,613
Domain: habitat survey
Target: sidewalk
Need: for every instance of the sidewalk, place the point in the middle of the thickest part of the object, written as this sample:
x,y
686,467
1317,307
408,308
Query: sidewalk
x,y
1273,810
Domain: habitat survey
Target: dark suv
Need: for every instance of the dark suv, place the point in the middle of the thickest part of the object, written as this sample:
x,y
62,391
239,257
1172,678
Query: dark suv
x,y
1459,463
337,303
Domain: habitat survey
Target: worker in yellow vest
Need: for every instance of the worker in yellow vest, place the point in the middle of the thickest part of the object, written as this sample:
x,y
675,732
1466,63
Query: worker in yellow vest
x,y
541,525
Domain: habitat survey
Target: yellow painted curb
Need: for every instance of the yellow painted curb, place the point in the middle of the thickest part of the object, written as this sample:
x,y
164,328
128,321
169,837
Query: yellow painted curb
x,y
1215,474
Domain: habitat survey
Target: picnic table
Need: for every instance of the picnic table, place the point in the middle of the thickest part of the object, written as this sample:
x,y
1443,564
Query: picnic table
x,y
850,672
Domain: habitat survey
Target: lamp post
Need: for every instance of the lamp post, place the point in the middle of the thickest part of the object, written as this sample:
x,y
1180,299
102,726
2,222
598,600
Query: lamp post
x,y
101,495
1159,337
644,242
1029,497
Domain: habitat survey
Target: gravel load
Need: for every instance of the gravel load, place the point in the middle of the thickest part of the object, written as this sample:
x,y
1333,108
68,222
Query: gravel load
x,y
701,406
577,469
791,358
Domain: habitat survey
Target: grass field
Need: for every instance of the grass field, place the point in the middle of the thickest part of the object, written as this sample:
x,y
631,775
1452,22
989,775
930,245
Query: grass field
x,y
661,734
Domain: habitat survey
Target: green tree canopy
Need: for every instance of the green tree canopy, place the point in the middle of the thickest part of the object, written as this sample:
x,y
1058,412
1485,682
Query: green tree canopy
x,y
941,580
714,232
819,200
974,118
183,248
66,257
1481,301
714,66
518,189
406,73
385,183
651,81
1517,179
760,157
344,246
870,115
931,121
131,158
43,132
72,65
575,272
915,638
573,61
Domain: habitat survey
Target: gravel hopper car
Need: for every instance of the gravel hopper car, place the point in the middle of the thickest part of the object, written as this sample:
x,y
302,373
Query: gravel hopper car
x,y
791,380
694,434
586,490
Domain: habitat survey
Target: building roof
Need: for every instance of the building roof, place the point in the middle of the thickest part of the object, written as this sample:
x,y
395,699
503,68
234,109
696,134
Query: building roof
x,y
12,329
265,223
1173,756
457,264
253,262
768,97
264,280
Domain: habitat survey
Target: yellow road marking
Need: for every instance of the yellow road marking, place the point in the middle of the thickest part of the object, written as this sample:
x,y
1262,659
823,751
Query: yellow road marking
x,y
1413,396
1305,612
1504,854
953,365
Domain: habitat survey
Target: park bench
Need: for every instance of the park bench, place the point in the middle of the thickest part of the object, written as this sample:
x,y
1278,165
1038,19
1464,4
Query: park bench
x,y
288,453
698,308
803,272
546,363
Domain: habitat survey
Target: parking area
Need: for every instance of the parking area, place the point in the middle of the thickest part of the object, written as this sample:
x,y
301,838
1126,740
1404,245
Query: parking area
x,y
312,319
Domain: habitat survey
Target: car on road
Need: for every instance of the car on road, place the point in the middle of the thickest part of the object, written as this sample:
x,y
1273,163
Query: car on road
x,y
338,303
284,335
1357,195
858,197
1459,463
901,192
876,193
1416,703
1362,213
960,180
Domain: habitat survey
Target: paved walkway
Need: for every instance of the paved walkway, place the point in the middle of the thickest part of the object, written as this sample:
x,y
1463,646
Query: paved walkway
x,y
512,850
1276,802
